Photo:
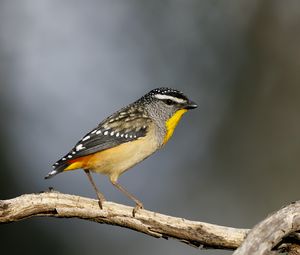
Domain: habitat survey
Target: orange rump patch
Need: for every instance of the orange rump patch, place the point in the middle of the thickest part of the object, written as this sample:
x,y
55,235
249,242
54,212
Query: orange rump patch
x,y
80,162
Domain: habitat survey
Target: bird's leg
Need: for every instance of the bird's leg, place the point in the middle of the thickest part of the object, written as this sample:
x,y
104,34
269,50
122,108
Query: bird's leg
x,y
138,203
100,196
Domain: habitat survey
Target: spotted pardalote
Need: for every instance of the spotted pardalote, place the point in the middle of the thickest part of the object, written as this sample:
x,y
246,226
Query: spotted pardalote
x,y
126,138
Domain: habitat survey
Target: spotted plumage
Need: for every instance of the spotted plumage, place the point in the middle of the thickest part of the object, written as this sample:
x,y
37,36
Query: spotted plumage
x,y
123,126
127,137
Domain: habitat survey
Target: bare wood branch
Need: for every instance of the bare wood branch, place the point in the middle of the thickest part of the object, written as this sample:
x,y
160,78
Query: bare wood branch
x,y
54,204
290,249
278,231
271,232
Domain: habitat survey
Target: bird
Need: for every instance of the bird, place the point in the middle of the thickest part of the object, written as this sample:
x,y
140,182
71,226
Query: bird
x,y
126,138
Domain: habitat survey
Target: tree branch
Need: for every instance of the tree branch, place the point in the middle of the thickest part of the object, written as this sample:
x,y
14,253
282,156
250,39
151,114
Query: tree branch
x,y
273,231
54,204
277,232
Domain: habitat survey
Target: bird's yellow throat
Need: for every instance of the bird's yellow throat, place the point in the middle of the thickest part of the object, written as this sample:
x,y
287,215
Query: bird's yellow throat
x,y
172,123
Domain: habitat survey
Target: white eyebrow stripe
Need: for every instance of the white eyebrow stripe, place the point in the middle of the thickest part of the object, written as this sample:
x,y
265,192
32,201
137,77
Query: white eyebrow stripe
x,y
175,99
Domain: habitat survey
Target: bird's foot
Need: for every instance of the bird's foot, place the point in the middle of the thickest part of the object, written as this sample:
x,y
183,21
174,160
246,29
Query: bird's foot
x,y
101,200
137,207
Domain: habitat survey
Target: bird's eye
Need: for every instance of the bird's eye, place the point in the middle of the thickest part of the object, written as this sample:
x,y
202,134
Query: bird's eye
x,y
169,102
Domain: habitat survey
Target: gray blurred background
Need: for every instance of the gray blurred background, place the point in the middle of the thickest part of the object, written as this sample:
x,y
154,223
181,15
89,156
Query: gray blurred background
x,y
66,65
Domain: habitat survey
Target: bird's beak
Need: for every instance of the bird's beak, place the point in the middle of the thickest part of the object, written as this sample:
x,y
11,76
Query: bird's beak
x,y
190,105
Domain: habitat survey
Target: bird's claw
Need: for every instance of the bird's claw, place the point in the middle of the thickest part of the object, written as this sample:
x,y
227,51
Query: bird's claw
x,y
137,207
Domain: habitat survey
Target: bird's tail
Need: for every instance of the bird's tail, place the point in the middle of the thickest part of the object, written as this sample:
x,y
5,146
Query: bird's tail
x,y
56,170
